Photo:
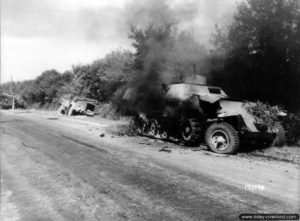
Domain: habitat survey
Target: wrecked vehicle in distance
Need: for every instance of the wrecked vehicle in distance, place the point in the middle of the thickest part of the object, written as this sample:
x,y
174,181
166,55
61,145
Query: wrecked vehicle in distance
x,y
70,105
197,113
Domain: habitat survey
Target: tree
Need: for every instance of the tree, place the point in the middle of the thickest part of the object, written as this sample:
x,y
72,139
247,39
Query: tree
x,y
152,44
164,54
262,52
44,89
188,57
101,79
46,86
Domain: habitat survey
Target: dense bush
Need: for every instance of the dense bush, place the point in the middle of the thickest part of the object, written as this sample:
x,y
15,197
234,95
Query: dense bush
x,y
98,80
267,115
256,57
260,53
108,110
101,79
292,126
263,113
44,90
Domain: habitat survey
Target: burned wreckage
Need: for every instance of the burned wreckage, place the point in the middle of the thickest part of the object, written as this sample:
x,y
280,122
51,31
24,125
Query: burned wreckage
x,y
70,105
196,113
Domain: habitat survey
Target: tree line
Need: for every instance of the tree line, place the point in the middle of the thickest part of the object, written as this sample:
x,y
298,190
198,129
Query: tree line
x,y
256,57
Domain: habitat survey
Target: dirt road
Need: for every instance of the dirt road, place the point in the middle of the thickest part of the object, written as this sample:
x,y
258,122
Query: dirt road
x,y
59,168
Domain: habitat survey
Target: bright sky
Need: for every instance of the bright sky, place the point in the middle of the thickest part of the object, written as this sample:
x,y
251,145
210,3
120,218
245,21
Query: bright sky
x,y
56,34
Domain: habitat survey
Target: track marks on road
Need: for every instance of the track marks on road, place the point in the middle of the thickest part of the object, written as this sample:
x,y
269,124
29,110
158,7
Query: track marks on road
x,y
85,144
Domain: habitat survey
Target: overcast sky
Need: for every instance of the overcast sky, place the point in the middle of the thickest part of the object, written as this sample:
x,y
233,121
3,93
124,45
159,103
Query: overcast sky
x,y
37,35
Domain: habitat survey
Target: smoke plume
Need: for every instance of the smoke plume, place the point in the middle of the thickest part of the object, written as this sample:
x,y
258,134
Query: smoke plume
x,y
165,52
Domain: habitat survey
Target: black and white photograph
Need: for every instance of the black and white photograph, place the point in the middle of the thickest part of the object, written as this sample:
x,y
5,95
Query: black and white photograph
x,y
157,110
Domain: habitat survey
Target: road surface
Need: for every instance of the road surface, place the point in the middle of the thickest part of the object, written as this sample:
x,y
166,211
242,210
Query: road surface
x,y
59,168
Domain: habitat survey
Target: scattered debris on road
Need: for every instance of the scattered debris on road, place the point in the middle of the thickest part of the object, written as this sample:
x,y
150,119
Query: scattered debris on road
x,y
52,118
165,149
121,130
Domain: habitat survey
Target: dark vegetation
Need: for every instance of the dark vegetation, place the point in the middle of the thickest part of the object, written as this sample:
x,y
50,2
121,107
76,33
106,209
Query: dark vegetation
x,y
257,57
264,113
260,53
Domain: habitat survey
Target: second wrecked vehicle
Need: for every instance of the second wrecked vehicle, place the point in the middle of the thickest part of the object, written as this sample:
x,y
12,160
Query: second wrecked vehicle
x,y
195,113
70,105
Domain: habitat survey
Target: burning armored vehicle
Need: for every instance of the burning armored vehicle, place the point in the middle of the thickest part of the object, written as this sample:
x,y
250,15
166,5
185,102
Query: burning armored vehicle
x,y
70,105
198,113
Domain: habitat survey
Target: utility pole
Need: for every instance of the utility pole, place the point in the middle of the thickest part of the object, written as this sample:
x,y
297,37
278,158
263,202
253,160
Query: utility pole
x,y
11,92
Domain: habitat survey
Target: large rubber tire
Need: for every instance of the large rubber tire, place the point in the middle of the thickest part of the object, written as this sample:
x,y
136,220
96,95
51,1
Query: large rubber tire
x,y
280,137
152,128
222,138
164,134
163,130
190,132
140,125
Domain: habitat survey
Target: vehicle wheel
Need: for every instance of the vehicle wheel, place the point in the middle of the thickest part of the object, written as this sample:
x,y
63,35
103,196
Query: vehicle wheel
x,y
164,134
152,128
280,137
222,138
140,125
70,111
190,132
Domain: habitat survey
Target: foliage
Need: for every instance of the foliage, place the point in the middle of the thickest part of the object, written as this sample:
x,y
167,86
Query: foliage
x,y
16,88
187,57
261,52
117,99
164,54
98,80
257,57
152,44
263,113
45,88
103,77
108,110
292,126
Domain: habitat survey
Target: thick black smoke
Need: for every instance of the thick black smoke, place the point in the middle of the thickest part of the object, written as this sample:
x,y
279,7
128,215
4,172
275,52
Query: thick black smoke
x,y
161,50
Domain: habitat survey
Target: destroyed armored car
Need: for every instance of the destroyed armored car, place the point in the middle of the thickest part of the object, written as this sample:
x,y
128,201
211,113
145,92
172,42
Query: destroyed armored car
x,y
70,105
195,113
